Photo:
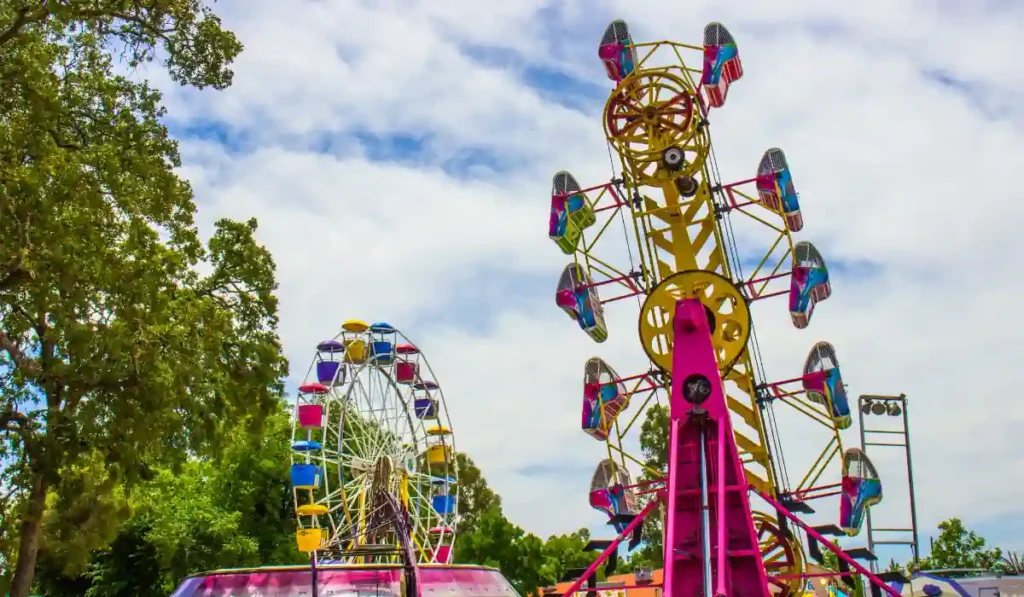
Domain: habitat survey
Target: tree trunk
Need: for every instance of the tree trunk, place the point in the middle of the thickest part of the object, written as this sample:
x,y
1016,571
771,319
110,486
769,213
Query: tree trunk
x,y
28,549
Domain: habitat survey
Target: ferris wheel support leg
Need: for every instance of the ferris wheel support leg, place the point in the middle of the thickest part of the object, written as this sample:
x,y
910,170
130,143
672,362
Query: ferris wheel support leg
x,y
730,556
312,574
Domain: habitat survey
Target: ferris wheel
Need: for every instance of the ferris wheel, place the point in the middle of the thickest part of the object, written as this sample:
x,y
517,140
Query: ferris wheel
x,y
374,473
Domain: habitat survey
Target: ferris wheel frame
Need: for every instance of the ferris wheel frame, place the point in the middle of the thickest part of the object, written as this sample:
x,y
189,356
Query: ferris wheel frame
x,y
373,434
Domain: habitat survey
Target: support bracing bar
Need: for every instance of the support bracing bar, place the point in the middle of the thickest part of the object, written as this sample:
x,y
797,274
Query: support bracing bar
x,y
612,547
877,583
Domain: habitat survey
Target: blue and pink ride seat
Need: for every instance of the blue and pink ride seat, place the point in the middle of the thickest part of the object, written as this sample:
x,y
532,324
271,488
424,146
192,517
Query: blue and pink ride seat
x,y
571,212
617,52
861,489
722,63
577,296
611,493
604,397
809,283
823,382
775,188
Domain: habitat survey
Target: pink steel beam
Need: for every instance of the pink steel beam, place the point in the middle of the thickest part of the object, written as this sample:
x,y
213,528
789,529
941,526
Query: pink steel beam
x,y
575,586
839,553
616,198
704,460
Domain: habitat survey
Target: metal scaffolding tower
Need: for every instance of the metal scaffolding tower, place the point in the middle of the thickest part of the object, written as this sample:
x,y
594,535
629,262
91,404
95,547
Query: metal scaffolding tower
x,y
889,406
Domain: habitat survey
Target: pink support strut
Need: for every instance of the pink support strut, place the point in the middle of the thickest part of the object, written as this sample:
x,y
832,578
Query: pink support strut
x,y
842,555
575,586
709,529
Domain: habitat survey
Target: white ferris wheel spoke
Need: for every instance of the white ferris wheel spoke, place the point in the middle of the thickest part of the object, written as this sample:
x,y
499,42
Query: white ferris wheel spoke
x,y
370,420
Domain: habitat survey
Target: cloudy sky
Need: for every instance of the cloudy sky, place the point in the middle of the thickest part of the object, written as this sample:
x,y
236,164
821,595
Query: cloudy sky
x,y
399,154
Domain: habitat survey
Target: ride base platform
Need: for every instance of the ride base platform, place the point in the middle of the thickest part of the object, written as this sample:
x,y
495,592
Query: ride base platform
x,y
351,580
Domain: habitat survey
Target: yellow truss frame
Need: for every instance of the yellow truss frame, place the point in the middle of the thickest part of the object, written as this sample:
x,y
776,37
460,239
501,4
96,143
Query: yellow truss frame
x,y
675,233
647,386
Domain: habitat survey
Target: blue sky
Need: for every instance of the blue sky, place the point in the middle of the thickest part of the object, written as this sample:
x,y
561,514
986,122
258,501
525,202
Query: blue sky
x,y
401,171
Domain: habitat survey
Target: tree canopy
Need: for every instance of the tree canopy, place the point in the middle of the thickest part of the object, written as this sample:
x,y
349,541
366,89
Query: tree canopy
x,y
487,537
117,357
475,496
233,511
236,510
654,447
959,547
528,562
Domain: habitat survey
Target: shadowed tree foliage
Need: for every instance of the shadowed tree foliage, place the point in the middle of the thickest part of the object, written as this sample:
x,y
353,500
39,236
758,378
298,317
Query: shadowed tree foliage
x,y
1012,562
231,511
565,552
959,547
495,541
116,356
197,50
526,561
654,447
486,536
475,496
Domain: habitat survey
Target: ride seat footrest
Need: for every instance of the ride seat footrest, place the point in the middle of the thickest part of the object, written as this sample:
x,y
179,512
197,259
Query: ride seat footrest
x,y
861,553
797,505
597,545
893,576
572,574
829,529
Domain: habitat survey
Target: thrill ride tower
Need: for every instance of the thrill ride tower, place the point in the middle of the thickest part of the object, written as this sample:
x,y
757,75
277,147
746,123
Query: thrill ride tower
x,y
695,285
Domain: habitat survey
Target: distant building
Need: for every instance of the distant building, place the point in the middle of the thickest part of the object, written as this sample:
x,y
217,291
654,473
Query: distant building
x,y
984,585
618,585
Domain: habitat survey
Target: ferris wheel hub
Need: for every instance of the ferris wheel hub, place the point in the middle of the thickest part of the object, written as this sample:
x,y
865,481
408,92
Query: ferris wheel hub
x,y
383,475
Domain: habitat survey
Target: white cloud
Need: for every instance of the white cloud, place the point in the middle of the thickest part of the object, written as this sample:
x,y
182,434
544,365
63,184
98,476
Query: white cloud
x,y
894,169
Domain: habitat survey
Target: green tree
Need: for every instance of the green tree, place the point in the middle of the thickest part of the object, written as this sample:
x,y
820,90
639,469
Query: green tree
x,y
253,477
111,343
495,541
84,515
654,447
475,496
1012,563
654,438
565,552
526,561
829,559
959,547
226,512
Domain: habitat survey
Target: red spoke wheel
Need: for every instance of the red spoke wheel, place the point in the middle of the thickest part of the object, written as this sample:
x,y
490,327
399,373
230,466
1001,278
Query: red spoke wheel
x,y
782,555
649,111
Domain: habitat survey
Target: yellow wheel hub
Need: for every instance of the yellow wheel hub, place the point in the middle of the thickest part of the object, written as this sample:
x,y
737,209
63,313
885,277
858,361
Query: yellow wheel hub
x,y
727,311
